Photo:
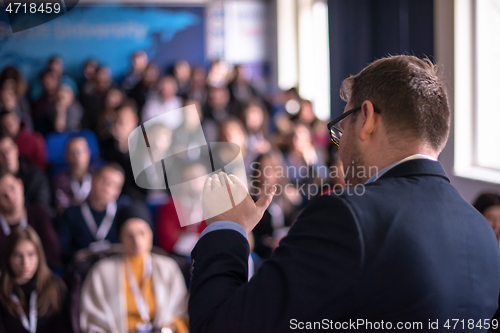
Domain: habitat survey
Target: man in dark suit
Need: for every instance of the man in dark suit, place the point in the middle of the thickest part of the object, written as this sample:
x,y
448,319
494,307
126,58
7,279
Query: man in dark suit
x,y
92,223
404,251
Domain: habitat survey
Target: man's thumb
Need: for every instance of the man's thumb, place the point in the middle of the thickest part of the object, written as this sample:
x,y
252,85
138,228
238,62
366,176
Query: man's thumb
x,y
265,200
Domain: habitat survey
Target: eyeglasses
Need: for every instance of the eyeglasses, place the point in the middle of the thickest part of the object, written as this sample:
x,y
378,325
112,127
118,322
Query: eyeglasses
x,y
335,132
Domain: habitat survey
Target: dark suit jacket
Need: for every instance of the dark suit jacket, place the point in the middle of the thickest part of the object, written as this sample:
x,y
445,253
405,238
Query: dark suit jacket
x,y
74,233
410,249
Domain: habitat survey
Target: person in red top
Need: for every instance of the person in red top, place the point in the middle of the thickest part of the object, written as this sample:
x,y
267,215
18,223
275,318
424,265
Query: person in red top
x,y
171,236
31,144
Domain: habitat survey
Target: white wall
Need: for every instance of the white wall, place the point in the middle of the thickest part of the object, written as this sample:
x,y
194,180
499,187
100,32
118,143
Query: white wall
x,y
444,48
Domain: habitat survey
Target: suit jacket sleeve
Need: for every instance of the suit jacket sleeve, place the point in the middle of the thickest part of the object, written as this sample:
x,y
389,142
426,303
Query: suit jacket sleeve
x,y
323,251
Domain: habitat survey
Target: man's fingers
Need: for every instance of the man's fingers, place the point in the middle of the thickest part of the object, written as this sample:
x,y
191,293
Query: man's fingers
x,y
229,180
208,184
215,181
238,190
235,180
265,200
222,178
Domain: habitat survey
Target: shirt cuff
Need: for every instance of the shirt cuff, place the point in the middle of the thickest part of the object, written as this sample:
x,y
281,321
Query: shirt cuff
x,y
224,225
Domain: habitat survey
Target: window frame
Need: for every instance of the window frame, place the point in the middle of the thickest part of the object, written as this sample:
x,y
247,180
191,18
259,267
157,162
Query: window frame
x,y
465,100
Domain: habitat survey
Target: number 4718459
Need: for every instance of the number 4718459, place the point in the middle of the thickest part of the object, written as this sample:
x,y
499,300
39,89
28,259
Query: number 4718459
x,y
471,324
26,8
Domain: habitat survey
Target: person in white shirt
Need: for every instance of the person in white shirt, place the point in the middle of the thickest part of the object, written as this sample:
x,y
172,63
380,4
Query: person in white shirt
x,y
163,100
135,291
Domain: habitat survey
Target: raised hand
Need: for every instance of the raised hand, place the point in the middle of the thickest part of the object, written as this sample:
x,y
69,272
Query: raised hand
x,y
240,208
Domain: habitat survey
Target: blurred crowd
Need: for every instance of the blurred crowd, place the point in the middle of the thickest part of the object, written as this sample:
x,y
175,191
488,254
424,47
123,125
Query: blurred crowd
x,y
73,219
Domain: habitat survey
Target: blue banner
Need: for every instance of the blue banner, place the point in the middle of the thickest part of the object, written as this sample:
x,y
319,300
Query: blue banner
x,y
109,34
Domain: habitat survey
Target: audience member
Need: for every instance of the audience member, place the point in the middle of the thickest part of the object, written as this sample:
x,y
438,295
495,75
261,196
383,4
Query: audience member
x,y
32,298
232,130
72,186
162,101
90,224
14,213
138,62
193,131
182,74
256,124
12,78
107,117
268,171
209,126
304,162
88,71
137,291
198,85
219,74
42,105
306,116
31,144
36,184
488,204
115,149
56,65
240,88
93,97
171,236
285,104
9,101
144,87
66,115
218,106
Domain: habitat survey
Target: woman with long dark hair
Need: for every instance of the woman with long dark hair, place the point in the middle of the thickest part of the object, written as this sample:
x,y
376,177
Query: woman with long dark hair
x,y
32,298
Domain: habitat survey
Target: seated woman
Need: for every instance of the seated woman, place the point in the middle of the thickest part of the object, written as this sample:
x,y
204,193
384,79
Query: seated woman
x,y
137,291
32,299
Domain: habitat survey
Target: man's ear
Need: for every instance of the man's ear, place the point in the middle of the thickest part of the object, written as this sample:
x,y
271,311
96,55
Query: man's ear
x,y
369,120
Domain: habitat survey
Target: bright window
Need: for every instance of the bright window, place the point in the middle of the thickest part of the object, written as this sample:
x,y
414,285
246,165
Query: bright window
x,y
477,87
487,131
